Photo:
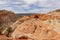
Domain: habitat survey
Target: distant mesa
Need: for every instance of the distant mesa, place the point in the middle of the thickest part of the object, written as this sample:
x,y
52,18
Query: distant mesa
x,y
58,10
55,12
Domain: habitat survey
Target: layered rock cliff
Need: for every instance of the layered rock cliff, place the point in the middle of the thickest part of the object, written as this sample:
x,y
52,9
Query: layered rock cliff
x,y
7,18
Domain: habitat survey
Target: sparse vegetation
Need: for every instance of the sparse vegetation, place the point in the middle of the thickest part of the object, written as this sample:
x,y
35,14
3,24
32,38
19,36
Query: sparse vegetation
x,y
9,30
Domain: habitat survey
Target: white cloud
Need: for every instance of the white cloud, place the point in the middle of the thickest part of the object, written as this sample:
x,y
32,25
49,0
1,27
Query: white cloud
x,y
50,3
2,2
16,2
47,5
8,8
29,1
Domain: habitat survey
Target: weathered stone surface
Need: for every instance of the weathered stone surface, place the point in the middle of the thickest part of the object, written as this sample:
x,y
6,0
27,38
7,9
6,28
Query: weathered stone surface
x,y
7,18
43,27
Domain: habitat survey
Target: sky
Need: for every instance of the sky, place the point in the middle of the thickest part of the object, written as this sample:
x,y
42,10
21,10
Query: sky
x,y
29,6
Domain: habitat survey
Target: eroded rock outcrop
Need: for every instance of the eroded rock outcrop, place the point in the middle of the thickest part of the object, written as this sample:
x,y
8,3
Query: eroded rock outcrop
x,y
39,27
7,18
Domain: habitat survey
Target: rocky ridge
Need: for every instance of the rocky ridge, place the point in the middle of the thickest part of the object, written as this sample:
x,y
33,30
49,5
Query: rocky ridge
x,y
38,27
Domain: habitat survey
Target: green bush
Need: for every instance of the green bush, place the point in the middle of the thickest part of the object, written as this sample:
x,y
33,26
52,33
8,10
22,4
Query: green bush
x,y
9,30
